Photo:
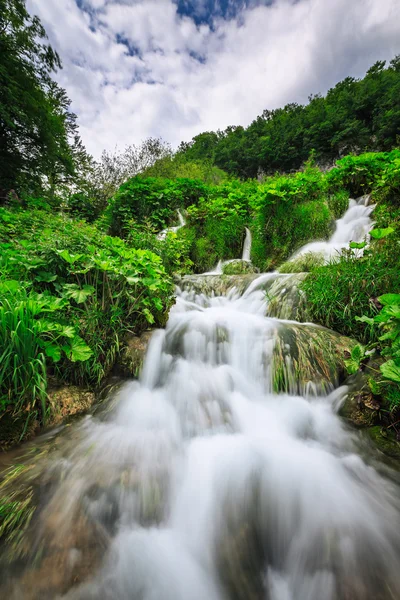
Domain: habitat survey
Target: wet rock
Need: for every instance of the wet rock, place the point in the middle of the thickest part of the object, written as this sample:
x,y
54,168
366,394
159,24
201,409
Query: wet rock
x,y
360,409
130,361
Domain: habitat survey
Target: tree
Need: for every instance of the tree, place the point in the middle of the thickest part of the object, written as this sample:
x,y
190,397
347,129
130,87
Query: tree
x,y
38,134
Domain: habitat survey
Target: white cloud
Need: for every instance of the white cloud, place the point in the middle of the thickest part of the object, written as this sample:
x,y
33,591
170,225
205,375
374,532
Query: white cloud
x,y
172,79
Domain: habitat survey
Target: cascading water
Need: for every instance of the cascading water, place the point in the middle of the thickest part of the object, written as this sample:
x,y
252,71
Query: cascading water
x,y
163,234
204,483
247,246
354,226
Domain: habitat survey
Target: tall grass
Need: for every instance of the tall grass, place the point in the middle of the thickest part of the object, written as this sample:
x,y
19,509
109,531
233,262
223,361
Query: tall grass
x,y
23,379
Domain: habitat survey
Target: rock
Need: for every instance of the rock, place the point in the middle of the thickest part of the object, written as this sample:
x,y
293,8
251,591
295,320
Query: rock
x,y
239,267
68,401
303,263
308,359
130,361
359,409
215,284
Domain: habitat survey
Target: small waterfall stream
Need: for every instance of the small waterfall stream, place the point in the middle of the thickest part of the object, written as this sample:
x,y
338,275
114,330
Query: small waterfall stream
x,y
202,482
163,234
247,246
353,226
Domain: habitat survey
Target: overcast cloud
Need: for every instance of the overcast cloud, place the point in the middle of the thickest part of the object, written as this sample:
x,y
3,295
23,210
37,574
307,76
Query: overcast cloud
x,y
140,68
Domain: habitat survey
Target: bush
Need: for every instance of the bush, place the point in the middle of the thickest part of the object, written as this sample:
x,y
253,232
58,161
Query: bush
x,y
152,201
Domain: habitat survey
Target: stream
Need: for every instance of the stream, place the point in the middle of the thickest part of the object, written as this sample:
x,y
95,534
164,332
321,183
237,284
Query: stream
x,y
210,479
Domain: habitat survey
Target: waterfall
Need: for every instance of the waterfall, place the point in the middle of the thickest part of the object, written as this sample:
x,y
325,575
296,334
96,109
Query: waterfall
x,y
203,482
247,246
354,226
163,234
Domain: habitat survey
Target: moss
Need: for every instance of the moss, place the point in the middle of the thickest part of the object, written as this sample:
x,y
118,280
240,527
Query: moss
x,y
239,267
302,264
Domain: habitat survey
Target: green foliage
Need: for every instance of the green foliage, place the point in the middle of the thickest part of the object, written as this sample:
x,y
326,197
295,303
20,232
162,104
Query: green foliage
x,y
338,202
82,292
151,201
173,250
289,211
387,382
354,116
31,334
361,174
218,223
178,167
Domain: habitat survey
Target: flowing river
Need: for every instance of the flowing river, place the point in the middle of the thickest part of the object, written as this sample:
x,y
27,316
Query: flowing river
x,y
203,481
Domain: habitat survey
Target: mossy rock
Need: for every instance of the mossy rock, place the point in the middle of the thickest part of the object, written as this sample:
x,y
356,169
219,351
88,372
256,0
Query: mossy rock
x,y
360,409
239,267
385,440
68,401
308,359
303,263
131,359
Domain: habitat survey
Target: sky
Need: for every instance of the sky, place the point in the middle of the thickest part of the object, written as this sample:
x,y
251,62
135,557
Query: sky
x,y
174,68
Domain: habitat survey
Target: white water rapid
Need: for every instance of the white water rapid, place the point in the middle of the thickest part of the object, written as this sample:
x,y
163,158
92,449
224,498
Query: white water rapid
x,y
205,484
354,226
163,234
247,246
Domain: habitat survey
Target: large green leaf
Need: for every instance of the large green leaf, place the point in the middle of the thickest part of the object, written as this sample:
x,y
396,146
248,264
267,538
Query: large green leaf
x,y
53,352
391,371
379,234
69,258
390,299
80,295
358,245
79,350
10,285
365,319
